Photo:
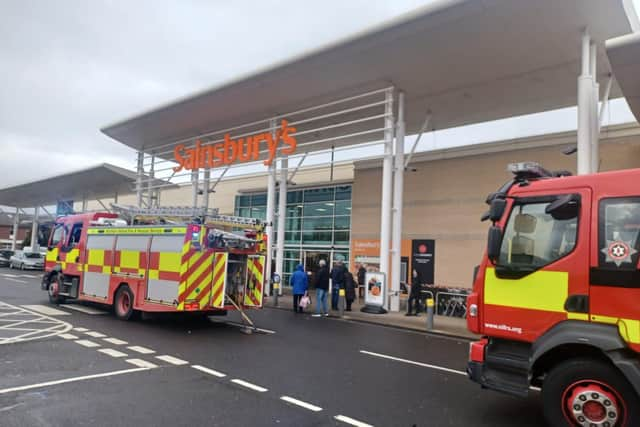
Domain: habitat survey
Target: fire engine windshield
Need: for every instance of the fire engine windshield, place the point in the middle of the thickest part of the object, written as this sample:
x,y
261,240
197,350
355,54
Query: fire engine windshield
x,y
534,238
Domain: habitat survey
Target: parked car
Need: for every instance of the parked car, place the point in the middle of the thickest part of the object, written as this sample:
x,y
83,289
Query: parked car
x,y
5,257
27,260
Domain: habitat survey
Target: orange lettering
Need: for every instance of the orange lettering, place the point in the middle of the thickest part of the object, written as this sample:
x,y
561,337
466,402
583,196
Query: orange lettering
x,y
178,157
287,139
246,155
229,145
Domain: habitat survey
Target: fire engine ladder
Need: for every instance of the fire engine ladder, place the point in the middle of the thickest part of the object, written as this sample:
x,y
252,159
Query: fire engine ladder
x,y
168,212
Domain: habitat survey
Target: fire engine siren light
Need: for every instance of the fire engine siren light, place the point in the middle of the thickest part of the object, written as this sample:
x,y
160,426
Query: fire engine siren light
x,y
523,167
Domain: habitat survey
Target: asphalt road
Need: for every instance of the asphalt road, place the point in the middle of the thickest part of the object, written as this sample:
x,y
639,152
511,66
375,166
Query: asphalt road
x,y
67,367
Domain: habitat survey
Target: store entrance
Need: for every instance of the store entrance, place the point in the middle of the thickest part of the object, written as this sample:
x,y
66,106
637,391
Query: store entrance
x,y
312,263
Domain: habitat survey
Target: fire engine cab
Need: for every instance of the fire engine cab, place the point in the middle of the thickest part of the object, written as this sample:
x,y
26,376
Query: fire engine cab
x,y
152,260
557,295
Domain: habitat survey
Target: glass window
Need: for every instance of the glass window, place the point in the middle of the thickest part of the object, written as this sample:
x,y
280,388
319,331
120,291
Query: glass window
x,y
343,192
291,237
246,212
293,224
294,211
317,209
316,224
243,200
534,238
342,223
294,197
343,208
619,241
319,195
341,237
58,234
288,254
76,233
344,256
259,199
259,213
316,237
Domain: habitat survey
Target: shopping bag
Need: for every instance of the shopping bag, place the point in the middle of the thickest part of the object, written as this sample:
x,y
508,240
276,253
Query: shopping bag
x,y
305,301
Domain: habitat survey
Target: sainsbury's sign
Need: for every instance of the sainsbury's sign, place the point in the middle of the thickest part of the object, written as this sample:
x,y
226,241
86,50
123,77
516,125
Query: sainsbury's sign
x,y
238,150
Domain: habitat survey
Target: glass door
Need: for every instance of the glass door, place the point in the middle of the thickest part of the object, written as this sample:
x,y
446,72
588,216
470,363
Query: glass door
x,y
312,263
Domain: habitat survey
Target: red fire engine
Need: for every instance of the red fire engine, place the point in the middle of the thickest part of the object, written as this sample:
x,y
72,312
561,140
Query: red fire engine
x,y
150,260
557,295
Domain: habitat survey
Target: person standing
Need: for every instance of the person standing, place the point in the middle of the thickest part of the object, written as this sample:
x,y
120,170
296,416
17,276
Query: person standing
x,y
349,289
337,282
300,285
362,271
322,287
414,294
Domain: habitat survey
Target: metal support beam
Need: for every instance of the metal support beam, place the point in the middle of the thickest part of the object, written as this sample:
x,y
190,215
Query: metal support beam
x,y
585,88
605,102
427,119
34,231
84,203
140,173
215,184
103,205
150,181
47,212
398,190
205,188
194,187
593,118
387,178
295,171
282,215
16,224
270,215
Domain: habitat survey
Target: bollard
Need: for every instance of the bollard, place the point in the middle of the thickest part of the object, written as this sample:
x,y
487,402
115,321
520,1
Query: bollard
x,y
341,301
276,289
430,305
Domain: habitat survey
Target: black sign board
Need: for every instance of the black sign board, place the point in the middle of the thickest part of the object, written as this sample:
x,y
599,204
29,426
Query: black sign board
x,y
423,257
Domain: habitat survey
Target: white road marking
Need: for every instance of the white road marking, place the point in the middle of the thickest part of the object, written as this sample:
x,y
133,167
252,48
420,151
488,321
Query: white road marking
x,y
9,275
302,404
172,360
87,343
141,363
49,311
142,350
68,336
80,329
241,325
95,334
209,371
115,341
16,280
83,309
411,362
28,324
111,352
70,380
249,385
351,421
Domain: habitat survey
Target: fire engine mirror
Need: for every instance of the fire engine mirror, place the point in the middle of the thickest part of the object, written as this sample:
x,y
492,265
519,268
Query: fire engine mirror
x,y
485,216
497,208
493,243
564,207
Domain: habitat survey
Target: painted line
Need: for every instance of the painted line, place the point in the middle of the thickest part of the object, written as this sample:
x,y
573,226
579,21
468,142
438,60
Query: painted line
x,y
95,334
412,362
115,341
16,280
68,336
302,404
142,363
83,309
87,343
9,275
209,371
49,311
80,329
249,385
142,350
111,352
61,328
351,421
70,380
172,360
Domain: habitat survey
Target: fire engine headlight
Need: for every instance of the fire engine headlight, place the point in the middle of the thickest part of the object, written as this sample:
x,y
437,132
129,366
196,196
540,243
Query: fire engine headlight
x,y
473,310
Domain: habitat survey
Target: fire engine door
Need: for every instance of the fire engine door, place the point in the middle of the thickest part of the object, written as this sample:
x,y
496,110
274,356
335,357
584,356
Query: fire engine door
x,y
254,287
219,279
539,277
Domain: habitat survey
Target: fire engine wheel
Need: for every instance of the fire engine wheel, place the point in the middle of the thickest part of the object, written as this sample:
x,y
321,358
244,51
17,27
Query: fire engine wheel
x,y
54,290
123,303
589,393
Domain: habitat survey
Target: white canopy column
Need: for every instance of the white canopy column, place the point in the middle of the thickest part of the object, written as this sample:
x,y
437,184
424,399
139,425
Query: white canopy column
x,y
387,178
398,190
34,231
271,196
585,107
282,215
16,223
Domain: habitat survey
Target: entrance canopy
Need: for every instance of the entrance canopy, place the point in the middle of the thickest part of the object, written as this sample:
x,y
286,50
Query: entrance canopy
x,y
96,182
465,61
624,54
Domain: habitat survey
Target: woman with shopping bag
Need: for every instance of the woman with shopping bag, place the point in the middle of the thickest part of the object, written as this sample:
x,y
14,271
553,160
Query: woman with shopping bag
x,y
300,284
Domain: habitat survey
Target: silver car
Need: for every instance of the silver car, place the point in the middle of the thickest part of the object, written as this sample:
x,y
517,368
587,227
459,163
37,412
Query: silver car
x,y
27,261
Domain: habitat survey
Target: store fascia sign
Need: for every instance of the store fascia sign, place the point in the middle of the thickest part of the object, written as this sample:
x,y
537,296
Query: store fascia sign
x,y
238,150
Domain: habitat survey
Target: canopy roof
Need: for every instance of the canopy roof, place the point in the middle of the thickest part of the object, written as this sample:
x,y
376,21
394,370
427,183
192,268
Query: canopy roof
x,y
466,61
95,182
624,54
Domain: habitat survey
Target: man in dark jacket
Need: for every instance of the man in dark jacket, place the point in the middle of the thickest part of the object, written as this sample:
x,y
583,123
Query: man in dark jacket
x,y
414,294
300,285
362,271
322,287
337,282
349,289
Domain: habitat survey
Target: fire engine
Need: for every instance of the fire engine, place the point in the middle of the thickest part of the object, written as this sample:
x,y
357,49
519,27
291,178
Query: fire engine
x,y
153,260
557,295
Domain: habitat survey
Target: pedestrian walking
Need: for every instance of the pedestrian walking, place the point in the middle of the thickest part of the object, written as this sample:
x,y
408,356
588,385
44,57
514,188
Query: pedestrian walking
x,y
349,289
322,287
414,294
300,284
337,281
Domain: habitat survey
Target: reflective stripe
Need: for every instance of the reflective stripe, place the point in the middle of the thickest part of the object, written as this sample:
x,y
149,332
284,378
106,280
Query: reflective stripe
x,y
578,316
255,281
629,328
541,290
138,230
219,277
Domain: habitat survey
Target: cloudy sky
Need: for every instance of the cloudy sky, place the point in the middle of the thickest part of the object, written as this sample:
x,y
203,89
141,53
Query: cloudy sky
x,y
69,67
